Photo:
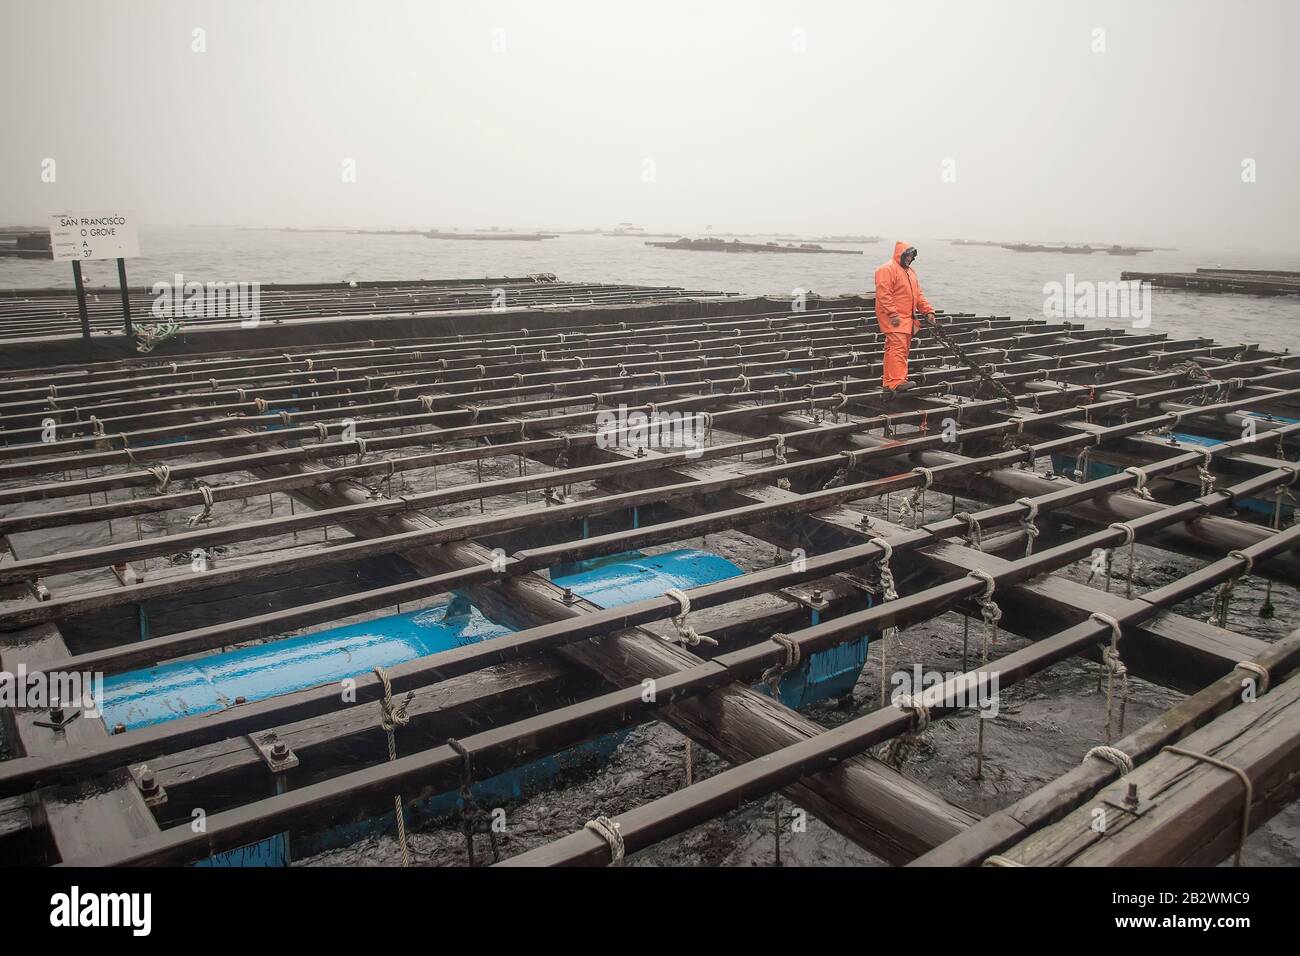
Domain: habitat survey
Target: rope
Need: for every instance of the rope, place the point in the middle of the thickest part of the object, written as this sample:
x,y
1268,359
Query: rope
x,y
913,505
772,676
974,537
1140,485
998,860
888,592
991,614
1203,472
148,337
842,473
1219,610
126,447
391,718
1259,671
1081,466
1114,667
322,431
1027,523
1112,755
782,483
688,635
204,516
162,474
607,830
1241,775
1129,539
707,418
901,746
426,401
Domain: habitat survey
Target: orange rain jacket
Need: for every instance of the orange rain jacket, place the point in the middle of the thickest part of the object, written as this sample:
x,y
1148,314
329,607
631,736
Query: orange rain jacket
x,y
898,293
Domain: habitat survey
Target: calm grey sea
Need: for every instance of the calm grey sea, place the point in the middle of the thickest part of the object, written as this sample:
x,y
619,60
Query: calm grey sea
x,y
958,278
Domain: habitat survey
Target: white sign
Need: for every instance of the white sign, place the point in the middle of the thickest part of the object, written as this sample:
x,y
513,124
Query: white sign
x,y
93,235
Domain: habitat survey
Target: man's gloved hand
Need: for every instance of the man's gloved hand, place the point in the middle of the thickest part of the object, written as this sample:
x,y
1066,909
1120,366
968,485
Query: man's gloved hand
x,y
929,317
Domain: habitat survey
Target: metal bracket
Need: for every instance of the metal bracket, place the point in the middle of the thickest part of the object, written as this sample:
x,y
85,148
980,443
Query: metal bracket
x,y
59,717
813,598
275,753
153,792
1131,802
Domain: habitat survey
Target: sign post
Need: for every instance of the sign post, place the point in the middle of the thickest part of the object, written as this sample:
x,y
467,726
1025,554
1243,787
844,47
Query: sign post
x,y
76,237
81,299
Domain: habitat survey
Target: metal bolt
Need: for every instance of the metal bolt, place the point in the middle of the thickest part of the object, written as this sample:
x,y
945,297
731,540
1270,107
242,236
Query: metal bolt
x,y
56,710
119,728
148,783
241,700
279,750
1132,796
568,597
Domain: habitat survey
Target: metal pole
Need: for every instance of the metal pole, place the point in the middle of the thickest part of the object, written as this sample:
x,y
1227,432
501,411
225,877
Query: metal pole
x,y
81,299
126,298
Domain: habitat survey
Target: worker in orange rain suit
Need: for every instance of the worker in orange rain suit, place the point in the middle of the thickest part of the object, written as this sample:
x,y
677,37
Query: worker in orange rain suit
x,y
898,301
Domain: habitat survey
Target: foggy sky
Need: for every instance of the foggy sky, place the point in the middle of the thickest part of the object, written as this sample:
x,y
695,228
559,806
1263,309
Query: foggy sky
x,y
810,117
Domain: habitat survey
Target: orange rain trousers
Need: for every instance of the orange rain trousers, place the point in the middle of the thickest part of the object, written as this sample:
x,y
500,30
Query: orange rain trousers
x,y
897,345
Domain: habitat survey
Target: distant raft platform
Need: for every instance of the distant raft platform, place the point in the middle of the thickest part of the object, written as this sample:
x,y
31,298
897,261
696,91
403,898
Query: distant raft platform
x,y
1242,281
735,245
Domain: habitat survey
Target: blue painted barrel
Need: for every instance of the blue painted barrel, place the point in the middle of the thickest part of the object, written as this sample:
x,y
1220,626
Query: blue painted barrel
x,y
213,682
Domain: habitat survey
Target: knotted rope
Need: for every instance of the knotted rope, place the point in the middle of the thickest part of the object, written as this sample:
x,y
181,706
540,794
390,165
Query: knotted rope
x,y
772,676
913,505
1027,523
1129,539
901,746
390,718
204,516
842,473
1081,466
991,614
1111,755
162,476
1219,611
1140,483
1259,671
888,592
707,435
783,483
974,537
1203,472
1114,668
607,830
687,634
149,336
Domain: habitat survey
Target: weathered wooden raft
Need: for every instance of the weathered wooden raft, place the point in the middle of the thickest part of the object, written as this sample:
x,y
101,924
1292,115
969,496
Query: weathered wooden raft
x,y
1247,281
30,313
331,427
